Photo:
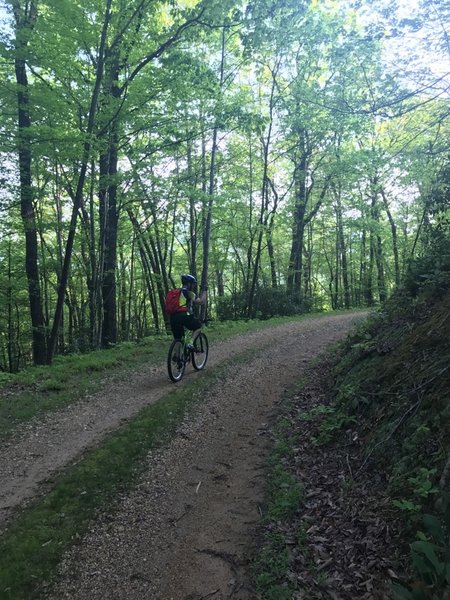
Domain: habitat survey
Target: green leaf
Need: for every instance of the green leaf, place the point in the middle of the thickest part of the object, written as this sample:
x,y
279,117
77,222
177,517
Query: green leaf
x,y
434,526
406,505
425,550
401,593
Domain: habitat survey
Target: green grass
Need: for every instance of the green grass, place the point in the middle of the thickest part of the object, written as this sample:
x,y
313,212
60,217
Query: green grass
x,y
284,493
284,497
271,568
39,390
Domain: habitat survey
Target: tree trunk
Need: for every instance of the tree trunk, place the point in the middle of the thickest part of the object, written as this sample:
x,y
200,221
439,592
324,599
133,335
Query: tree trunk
x,y
251,233
154,243
192,243
294,280
394,238
220,286
109,291
92,268
270,227
148,280
308,251
377,244
12,365
123,295
131,290
79,191
362,269
211,189
271,254
381,281
301,220
149,254
25,19
342,248
264,198
368,283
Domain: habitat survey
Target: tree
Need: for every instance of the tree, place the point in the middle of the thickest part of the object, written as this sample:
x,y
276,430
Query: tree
x,y
25,15
267,148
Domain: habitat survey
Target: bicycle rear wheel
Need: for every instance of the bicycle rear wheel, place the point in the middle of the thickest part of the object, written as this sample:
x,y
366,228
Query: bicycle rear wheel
x,y
175,361
200,352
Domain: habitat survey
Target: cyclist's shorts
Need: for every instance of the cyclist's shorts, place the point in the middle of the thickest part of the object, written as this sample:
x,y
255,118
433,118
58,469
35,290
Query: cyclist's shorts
x,y
180,320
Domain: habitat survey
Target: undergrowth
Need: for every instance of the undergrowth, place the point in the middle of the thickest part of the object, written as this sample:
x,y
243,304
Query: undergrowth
x,y
393,379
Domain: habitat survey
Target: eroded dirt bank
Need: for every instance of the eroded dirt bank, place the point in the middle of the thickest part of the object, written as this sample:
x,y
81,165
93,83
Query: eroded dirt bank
x,y
187,531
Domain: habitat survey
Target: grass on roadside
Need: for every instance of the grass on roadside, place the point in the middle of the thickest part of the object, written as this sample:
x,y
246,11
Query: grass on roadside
x,y
43,389
272,567
284,498
284,493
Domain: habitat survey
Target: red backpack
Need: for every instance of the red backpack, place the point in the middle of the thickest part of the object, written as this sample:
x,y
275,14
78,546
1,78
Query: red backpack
x,y
172,304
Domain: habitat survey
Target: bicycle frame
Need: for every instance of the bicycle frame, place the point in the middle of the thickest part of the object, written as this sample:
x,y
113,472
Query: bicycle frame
x,y
180,355
185,340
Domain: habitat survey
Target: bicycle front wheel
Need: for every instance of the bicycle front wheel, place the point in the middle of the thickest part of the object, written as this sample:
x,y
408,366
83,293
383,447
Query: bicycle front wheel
x,y
175,361
200,352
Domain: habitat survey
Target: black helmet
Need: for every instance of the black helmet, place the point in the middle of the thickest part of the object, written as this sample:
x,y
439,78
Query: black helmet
x,y
188,279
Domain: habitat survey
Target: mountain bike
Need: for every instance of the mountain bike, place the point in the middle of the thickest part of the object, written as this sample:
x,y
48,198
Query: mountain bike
x,y
184,351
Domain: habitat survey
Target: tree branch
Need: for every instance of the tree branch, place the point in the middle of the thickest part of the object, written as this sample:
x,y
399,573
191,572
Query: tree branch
x,y
157,53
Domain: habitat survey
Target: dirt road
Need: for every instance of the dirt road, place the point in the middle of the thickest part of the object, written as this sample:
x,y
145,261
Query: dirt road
x,y
187,531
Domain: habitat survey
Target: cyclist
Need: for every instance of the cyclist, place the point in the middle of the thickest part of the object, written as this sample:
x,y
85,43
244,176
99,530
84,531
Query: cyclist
x,y
184,316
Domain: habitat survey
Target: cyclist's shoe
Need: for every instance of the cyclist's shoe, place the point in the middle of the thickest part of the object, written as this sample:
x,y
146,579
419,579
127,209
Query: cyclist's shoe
x,y
191,347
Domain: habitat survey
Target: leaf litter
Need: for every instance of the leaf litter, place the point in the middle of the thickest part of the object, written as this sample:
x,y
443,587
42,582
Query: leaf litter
x,y
351,546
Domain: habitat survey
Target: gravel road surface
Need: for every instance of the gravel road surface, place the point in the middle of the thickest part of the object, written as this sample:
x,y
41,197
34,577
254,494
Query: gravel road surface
x,y
188,530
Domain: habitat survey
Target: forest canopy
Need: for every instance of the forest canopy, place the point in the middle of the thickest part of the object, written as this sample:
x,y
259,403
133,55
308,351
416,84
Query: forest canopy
x,y
282,151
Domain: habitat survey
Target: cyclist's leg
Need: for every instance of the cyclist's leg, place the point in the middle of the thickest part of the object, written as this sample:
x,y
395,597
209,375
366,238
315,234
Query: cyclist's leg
x,y
194,325
177,326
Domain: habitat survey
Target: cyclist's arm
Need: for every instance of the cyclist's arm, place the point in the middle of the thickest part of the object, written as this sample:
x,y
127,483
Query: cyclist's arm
x,y
201,299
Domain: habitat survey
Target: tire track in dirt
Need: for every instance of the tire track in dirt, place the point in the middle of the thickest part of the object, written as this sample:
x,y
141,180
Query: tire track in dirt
x,y
187,531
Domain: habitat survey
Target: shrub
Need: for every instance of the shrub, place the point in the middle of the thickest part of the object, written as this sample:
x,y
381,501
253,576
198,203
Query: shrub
x,y
268,303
